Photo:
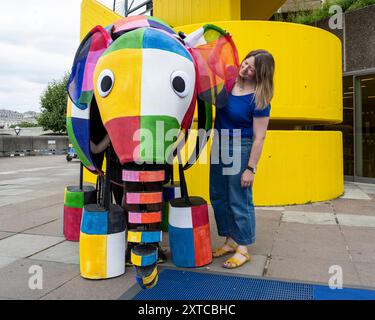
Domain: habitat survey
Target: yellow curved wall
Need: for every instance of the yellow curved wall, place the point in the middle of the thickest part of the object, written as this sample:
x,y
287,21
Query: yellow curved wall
x,y
296,166
308,73
181,12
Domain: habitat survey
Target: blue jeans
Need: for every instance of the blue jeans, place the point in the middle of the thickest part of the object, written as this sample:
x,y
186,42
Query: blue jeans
x,y
233,205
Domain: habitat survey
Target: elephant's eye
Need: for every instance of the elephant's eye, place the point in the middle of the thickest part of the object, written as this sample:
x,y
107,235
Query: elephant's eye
x,y
105,82
180,83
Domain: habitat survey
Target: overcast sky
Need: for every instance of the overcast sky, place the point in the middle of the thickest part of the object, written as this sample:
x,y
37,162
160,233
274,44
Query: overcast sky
x,y
38,41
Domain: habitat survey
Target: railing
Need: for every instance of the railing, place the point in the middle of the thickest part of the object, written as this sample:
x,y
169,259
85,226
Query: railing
x,y
132,7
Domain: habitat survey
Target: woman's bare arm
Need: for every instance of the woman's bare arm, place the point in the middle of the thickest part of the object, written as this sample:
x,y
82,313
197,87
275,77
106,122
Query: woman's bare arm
x,y
260,125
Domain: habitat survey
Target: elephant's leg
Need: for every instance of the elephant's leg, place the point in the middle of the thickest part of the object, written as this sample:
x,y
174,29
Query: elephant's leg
x,y
143,203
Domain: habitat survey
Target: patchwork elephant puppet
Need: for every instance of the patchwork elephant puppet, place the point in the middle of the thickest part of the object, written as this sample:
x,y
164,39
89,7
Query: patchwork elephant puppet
x,y
139,82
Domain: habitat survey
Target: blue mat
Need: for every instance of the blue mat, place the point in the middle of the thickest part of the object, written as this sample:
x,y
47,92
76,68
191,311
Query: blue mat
x,y
186,285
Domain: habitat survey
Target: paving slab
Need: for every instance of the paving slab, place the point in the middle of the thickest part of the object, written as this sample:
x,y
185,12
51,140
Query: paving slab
x,y
14,278
366,271
266,230
275,208
24,245
267,222
361,207
65,252
22,221
27,181
25,206
4,261
310,241
54,228
323,218
8,164
268,214
5,191
5,234
82,289
309,269
6,201
311,207
355,194
352,220
361,242
367,188
350,185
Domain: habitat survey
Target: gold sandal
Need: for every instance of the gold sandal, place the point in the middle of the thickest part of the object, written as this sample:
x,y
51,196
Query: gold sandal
x,y
219,252
233,263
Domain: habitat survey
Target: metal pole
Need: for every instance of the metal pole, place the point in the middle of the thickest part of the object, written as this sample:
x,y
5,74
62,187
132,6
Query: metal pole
x,y
126,8
81,176
107,181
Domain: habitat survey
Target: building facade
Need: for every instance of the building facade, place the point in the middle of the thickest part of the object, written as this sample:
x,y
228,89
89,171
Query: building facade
x,y
357,35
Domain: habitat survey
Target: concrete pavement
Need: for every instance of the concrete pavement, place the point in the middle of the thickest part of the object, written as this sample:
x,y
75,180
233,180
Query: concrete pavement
x,y
298,242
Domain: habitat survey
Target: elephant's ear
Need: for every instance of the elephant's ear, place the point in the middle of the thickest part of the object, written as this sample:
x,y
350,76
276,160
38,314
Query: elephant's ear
x,y
81,85
82,111
216,57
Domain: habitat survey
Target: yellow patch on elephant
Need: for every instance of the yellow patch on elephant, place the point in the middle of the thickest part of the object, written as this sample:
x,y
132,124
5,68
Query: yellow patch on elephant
x,y
124,100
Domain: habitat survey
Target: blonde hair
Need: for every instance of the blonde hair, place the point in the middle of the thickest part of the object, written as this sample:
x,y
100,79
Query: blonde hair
x,y
264,72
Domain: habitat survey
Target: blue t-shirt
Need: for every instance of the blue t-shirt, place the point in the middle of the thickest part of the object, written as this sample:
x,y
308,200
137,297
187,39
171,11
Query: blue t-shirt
x,y
239,113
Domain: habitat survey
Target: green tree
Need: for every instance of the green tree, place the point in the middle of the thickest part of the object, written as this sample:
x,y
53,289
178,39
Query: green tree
x,y
53,103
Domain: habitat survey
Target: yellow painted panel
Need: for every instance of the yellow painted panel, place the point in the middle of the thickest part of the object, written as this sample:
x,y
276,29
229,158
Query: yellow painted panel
x,y
93,256
308,71
296,167
136,260
89,177
126,65
94,13
181,12
134,237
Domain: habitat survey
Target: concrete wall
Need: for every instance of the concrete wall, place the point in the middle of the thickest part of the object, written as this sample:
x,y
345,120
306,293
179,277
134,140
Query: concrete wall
x,y
360,39
16,145
357,37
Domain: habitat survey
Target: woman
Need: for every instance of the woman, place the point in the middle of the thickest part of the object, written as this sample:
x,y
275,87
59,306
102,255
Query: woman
x,y
247,110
